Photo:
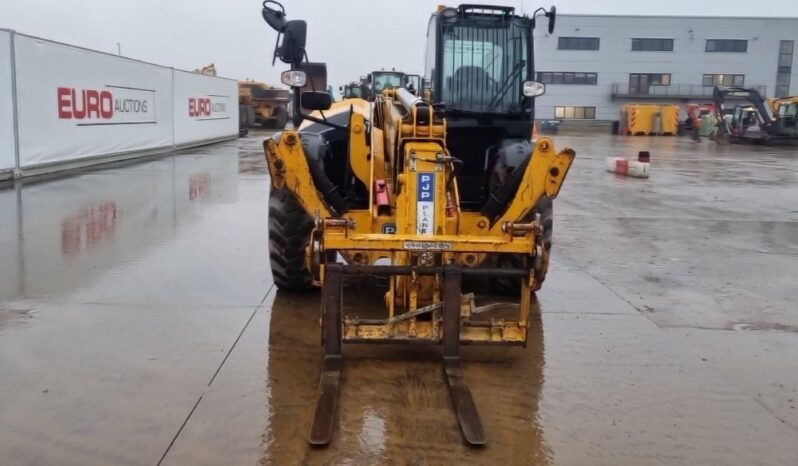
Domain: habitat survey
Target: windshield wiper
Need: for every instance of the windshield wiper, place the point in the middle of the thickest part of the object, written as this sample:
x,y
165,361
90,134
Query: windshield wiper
x,y
506,84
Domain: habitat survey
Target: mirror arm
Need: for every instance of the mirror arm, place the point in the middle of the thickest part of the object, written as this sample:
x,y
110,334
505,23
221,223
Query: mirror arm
x,y
302,56
547,13
276,45
307,116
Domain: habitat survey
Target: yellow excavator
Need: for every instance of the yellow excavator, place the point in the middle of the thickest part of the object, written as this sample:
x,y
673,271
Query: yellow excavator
x,y
442,199
785,108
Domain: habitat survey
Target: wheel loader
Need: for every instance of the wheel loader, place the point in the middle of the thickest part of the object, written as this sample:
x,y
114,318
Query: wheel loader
x,y
377,81
353,90
441,198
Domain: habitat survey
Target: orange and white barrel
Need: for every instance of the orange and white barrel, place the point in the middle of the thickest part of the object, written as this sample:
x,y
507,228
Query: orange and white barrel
x,y
626,167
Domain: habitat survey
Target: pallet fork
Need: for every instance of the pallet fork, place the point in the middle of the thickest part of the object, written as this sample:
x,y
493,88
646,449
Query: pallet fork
x,y
332,321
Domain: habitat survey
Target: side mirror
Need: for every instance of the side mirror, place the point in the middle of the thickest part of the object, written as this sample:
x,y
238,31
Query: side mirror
x,y
292,49
552,15
274,15
314,100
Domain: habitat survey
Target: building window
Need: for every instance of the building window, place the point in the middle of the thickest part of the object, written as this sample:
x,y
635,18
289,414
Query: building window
x,y
578,43
784,71
639,83
727,45
652,45
575,113
737,80
659,79
566,77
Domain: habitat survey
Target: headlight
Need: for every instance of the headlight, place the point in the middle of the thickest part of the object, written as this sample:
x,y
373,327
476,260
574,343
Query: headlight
x,y
534,88
294,78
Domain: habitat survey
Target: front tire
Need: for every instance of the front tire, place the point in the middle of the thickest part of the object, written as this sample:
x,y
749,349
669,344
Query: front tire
x,y
251,116
289,232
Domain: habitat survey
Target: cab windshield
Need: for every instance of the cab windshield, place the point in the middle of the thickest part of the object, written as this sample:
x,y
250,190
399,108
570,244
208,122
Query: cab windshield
x,y
485,64
384,81
788,110
354,91
413,82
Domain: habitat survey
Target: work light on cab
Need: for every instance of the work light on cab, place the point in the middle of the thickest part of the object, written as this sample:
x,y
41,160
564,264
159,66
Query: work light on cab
x,y
534,89
294,78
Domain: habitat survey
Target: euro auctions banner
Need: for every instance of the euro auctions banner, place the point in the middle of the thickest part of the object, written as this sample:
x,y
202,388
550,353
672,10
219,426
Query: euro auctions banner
x,y
205,107
111,105
7,150
76,103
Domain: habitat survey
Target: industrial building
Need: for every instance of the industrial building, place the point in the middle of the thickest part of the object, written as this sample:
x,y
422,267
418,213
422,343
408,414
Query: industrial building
x,y
594,64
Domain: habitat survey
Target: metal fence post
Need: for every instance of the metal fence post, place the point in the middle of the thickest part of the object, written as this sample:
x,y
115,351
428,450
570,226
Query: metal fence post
x,y
14,109
174,114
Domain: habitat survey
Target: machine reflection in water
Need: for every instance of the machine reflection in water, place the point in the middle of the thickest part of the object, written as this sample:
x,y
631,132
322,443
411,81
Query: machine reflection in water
x,y
396,409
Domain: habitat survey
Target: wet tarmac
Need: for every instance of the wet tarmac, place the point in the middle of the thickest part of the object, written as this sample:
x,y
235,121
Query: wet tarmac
x,y
139,324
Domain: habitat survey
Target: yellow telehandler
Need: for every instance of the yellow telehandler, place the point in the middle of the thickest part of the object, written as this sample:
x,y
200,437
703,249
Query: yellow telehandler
x,y
439,194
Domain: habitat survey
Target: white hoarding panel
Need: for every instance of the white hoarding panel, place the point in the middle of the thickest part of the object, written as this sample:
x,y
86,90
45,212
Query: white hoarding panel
x,y
205,107
76,103
7,147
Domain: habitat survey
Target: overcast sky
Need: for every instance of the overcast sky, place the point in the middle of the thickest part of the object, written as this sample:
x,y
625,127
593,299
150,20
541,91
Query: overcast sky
x,y
351,36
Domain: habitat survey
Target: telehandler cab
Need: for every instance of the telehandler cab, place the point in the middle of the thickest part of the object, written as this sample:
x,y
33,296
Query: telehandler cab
x,y
436,194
